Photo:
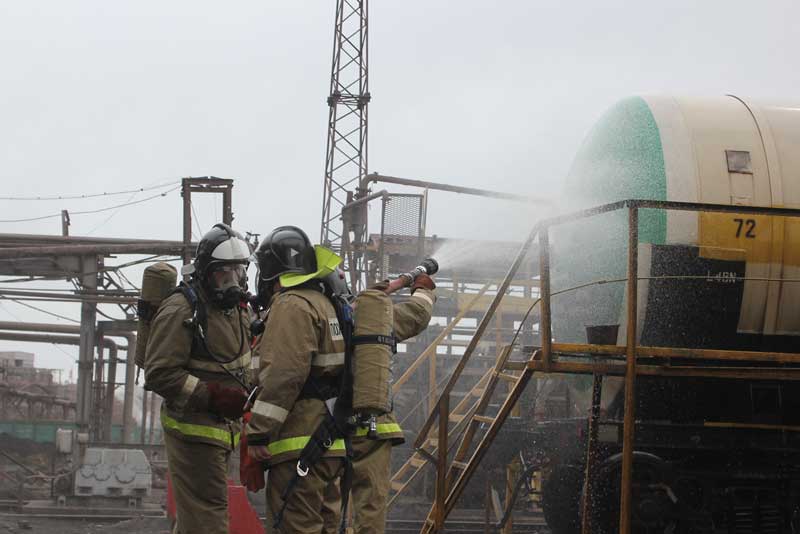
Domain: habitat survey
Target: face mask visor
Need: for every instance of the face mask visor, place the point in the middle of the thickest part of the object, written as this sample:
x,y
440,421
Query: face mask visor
x,y
222,276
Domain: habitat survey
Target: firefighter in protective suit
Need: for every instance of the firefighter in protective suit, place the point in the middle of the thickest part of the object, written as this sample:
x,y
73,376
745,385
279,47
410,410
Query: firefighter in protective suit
x,y
198,360
302,360
372,455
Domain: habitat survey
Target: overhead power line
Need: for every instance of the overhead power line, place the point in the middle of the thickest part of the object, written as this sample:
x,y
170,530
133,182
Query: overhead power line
x,y
95,195
87,212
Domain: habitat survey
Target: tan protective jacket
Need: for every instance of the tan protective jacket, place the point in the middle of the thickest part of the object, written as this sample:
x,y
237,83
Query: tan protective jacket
x,y
302,339
178,371
410,319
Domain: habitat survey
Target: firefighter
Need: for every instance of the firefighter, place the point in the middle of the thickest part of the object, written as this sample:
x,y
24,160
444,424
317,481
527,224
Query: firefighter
x,y
302,360
372,455
198,360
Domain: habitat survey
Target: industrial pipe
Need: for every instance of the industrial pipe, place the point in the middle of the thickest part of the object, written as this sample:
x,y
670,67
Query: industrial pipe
x,y
42,240
129,298
130,374
162,247
52,338
375,177
382,193
40,327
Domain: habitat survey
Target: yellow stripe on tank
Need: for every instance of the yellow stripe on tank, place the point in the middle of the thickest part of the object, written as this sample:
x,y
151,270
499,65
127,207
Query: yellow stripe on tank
x,y
764,239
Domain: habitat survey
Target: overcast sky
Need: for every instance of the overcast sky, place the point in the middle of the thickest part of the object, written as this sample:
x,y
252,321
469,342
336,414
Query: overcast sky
x,y
101,96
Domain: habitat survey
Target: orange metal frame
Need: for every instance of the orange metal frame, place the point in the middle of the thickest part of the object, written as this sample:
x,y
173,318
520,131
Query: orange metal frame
x,y
448,489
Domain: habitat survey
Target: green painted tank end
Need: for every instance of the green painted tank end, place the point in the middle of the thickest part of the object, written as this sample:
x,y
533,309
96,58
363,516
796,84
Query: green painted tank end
x,y
622,157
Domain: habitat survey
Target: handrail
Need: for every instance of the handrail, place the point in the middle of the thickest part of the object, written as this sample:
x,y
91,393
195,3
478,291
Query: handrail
x,y
540,230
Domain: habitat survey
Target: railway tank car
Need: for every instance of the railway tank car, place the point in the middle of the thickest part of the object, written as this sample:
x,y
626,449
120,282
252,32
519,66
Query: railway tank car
x,y
719,456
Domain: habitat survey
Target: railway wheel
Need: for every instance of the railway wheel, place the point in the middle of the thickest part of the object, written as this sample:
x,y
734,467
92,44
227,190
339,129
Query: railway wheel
x,y
561,493
654,505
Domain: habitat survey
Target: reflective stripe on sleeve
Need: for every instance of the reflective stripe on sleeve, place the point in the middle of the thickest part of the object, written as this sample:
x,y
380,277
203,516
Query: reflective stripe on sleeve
x,y
383,428
328,360
423,296
189,385
270,411
199,431
255,362
242,362
297,444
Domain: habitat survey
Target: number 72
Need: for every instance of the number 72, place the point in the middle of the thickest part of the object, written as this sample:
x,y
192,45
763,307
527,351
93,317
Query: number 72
x,y
749,227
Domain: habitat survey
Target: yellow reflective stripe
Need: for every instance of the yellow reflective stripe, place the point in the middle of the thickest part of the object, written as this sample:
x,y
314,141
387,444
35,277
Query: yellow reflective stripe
x,y
242,362
297,444
198,431
383,428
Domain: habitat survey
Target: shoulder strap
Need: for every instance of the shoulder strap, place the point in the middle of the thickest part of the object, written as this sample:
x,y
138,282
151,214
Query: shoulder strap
x,y
199,320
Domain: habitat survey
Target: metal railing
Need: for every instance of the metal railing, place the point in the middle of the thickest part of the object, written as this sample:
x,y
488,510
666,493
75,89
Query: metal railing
x,y
543,360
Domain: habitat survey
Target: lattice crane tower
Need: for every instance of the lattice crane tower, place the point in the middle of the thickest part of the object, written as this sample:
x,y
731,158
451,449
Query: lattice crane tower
x,y
346,150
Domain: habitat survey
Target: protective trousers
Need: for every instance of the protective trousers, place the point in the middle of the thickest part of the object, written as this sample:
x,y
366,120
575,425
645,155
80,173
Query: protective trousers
x,y
370,490
198,472
306,510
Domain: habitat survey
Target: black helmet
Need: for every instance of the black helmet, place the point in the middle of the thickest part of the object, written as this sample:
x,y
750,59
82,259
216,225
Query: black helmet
x,y
286,249
220,265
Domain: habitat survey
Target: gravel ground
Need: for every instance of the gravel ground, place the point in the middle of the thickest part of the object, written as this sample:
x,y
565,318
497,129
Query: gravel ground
x,y
144,525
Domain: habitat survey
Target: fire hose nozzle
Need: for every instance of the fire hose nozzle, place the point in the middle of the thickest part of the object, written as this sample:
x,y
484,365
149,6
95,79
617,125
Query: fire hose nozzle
x,y
430,265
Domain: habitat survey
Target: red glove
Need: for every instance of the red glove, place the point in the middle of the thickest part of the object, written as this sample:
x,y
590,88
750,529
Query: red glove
x,y
423,281
251,472
227,402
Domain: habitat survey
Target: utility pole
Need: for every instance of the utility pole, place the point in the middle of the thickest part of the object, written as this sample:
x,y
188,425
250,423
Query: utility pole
x,y
88,279
206,184
65,222
346,148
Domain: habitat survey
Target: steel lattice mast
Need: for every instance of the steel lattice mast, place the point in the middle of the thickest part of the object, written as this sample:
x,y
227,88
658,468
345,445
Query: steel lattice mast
x,y
346,150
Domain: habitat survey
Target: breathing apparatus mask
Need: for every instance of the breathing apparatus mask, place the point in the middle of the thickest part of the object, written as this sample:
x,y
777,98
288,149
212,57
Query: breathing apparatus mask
x,y
220,266
226,283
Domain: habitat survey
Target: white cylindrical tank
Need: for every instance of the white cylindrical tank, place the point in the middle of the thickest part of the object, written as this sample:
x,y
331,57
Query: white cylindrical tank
x,y
723,150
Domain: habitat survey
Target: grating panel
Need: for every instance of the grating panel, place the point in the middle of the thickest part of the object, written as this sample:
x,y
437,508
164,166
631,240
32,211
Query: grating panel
x,y
402,215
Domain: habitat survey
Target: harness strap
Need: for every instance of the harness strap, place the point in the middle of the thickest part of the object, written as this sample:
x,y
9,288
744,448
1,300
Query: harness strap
x,y
390,341
321,440
345,483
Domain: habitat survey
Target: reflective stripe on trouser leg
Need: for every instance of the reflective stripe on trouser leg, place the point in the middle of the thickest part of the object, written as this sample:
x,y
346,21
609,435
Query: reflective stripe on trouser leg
x,y
199,481
370,490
